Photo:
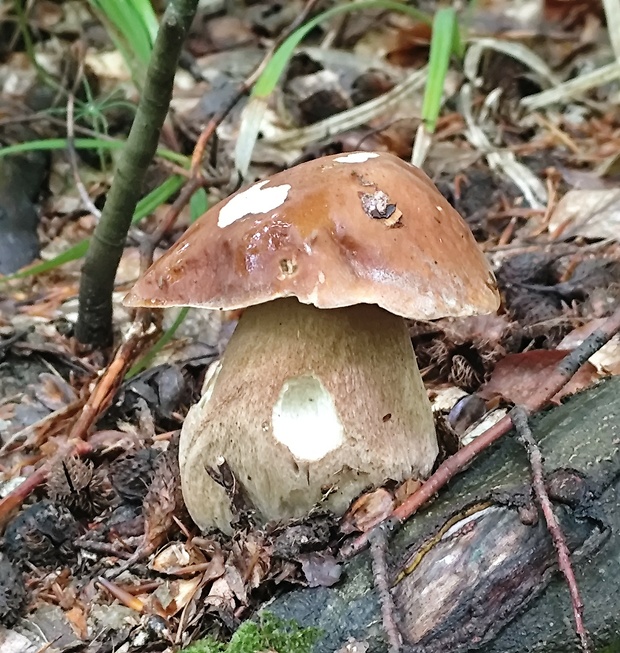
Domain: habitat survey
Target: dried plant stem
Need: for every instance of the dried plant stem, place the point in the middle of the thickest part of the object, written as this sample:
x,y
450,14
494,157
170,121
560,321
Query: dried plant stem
x,y
520,420
106,386
86,200
147,249
564,371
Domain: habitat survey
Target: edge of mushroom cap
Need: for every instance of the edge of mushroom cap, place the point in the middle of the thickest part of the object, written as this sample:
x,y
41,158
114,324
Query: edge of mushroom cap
x,y
487,301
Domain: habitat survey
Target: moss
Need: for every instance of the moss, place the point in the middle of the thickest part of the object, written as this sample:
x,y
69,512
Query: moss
x,y
268,634
613,647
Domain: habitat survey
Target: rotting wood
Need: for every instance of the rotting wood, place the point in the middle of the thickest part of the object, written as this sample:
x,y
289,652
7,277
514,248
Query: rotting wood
x,y
524,604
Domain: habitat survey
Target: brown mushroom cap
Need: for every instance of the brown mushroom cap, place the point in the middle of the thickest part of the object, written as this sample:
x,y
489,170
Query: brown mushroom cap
x,y
355,228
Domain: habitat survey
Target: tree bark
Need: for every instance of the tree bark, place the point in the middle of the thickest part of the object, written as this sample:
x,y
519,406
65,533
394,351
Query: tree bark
x,y
477,569
94,325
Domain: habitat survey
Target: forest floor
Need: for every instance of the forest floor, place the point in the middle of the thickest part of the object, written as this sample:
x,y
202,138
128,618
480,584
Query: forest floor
x,y
98,552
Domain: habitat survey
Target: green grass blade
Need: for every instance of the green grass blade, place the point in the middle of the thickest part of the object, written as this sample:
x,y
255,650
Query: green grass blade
x,y
144,207
444,41
132,26
87,144
198,204
266,83
165,338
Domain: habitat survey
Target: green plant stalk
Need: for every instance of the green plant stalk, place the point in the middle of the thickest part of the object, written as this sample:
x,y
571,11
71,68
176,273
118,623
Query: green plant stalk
x,y
94,325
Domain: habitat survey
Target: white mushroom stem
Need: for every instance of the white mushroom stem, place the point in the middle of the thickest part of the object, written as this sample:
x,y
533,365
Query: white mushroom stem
x,y
305,401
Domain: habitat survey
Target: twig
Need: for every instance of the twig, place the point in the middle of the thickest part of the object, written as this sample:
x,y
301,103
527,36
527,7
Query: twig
x,y
88,203
147,249
378,553
103,548
42,426
106,386
519,418
94,323
122,595
564,371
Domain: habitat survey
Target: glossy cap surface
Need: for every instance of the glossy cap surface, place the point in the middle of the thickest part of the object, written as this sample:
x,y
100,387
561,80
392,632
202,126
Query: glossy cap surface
x,y
355,228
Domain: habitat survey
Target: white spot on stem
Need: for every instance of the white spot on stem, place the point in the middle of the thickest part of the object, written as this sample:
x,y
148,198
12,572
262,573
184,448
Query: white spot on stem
x,y
252,201
305,419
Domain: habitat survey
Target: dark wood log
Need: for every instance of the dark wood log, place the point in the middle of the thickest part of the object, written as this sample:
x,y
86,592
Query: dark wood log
x,y
477,569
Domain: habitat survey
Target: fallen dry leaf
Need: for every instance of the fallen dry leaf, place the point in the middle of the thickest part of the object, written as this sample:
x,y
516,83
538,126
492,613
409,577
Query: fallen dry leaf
x,y
607,358
174,595
517,376
176,556
76,617
320,569
405,490
221,596
367,511
589,213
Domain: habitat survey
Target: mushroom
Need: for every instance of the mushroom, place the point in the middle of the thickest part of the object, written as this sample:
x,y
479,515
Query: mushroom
x,y
318,394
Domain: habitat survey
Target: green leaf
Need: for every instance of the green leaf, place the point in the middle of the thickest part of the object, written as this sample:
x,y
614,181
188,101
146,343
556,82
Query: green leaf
x,y
146,360
198,204
132,26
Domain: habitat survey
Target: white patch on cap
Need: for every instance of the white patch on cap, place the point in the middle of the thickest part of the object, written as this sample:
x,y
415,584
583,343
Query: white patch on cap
x,y
356,157
305,419
252,201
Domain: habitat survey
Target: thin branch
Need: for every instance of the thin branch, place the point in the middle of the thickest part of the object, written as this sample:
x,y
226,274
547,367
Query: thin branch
x,y
524,435
88,203
378,553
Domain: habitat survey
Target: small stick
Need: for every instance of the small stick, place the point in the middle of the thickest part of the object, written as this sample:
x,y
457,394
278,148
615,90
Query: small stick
x,y
104,391
122,595
147,250
105,548
519,418
86,200
378,554
560,376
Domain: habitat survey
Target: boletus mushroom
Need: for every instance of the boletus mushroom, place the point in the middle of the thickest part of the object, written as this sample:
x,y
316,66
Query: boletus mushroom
x,y
318,394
